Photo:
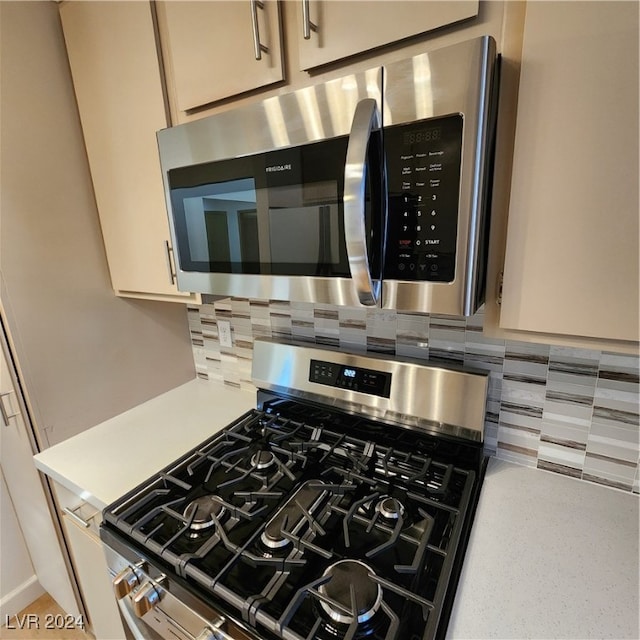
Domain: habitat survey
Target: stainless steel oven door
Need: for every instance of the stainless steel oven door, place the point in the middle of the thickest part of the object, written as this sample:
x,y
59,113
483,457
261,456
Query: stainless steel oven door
x,y
134,627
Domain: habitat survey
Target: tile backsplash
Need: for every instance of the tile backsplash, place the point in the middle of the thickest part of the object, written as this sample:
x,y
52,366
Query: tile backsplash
x,y
572,411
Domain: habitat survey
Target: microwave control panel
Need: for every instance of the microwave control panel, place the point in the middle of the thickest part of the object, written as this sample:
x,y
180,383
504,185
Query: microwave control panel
x,y
423,176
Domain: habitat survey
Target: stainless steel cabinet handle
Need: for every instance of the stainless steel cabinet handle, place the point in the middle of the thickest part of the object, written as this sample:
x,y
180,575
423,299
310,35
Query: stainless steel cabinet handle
x,y
307,25
6,416
169,251
76,517
258,47
365,118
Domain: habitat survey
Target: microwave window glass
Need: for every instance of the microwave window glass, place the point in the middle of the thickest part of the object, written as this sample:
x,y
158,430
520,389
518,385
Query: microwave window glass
x,y
304,225
221,223
279,213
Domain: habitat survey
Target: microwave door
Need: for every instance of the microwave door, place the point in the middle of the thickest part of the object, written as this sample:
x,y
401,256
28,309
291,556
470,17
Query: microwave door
x,y
256,198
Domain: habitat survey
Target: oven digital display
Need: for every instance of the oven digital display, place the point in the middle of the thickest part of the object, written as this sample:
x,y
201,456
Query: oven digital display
x,y
376,383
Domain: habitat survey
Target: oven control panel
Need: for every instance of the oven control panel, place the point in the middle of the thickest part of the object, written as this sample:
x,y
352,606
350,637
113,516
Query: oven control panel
x,y
341,376
423,175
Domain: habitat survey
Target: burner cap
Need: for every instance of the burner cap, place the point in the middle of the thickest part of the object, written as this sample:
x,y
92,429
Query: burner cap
x,y
273,542
202,509
262,460
367,593
390,508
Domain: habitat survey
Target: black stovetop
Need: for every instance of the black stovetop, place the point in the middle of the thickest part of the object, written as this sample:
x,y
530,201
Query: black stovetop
x,y
310,523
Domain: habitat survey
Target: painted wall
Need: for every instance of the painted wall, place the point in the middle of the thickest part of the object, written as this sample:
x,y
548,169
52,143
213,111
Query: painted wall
x,y
571,411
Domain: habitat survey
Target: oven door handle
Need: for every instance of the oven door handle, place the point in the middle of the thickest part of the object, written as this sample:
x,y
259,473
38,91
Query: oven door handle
x,y
131,621
365,118
212,630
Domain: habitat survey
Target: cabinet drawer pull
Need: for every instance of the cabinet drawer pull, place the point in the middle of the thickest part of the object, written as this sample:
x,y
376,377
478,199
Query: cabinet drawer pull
x,y
307,25
258,47
76,517
6,416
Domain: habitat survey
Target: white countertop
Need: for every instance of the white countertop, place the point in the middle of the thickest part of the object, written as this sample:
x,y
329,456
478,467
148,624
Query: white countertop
x,y
549,556
103,463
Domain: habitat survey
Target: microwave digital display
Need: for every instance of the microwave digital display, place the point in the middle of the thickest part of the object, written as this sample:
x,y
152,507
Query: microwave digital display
x,y
417,136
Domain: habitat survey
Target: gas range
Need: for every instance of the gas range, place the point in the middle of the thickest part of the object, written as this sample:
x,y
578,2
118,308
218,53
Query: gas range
x,y
317,515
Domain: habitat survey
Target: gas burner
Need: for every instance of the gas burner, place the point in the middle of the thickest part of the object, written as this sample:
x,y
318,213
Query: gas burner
x,y
201,512
297,511
273,542
390,508
353,589
262,460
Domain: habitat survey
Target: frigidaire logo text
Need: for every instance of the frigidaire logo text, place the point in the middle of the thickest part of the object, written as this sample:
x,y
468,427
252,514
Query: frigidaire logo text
x,y
278,167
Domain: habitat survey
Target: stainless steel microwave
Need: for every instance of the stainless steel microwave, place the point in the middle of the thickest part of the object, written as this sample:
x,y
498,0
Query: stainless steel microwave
x,y
371,189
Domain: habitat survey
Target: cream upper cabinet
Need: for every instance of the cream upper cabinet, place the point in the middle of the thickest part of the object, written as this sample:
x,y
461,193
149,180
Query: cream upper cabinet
x,y
117,80
330,30
571,265
218,49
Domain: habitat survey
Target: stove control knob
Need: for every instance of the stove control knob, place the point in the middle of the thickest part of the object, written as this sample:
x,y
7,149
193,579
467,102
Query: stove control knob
x,y
125,582
145,598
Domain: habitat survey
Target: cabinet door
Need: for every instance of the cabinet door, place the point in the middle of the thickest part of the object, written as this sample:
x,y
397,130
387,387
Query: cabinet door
x,y
28,496
571,263
95,580
16,569
116,75
212,48
330,30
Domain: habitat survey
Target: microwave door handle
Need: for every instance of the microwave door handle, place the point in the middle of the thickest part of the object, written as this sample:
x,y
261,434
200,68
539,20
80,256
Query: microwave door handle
x,y
365,118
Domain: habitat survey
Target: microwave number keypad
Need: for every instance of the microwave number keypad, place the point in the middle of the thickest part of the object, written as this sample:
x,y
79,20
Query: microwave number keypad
x,y
423,174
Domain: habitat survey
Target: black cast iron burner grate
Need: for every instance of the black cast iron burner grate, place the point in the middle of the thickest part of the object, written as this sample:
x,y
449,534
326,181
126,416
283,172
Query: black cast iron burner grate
x,y
298,503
